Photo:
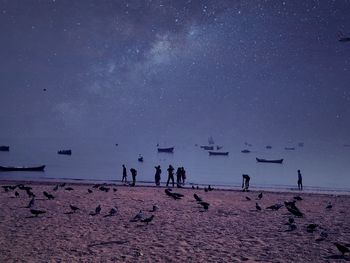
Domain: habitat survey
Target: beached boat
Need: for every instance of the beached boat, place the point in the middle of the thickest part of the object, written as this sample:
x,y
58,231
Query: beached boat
x,y
65,152
269,161
4,148
23,168
245,151
166,150
218,153
207,148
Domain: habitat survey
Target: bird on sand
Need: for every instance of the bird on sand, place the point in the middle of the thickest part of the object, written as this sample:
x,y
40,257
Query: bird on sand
x,y
55,188
291,227
343,249
298,198
291,220
260,196
205,205
31,203
16,194
48,196
148,219
62,185
154,208
248,198
329,206
311,227
30,193
138,217
68,189
37,212
210,188
112,212
74,208
90,191
96,186
198,199
258,207
97,211
115,189
274,207
295,212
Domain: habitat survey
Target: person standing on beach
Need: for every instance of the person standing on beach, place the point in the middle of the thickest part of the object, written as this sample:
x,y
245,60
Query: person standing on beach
x,y
300,181
133,174
178,176
124,174
183,175
170,175
245,182
157,175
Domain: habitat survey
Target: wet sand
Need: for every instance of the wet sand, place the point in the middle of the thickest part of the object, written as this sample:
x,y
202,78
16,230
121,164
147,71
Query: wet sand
x,y
231,230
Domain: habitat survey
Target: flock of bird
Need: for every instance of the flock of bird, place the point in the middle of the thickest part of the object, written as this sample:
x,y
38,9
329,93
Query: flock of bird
x,y
140,217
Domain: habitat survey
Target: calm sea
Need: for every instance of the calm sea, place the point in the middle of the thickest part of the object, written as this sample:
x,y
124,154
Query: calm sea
x,y
323,166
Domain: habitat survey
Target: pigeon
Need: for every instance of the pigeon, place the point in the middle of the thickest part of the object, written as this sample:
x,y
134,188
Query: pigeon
x,y
198,199
97,211
295,212
102,188
74,208
148,219
292,203
55,188
49,196
205,205
138,217
311,227
62,185
291,220
298,198
68,189
154,208
30,193
31,203
37,212
329,206
90,191
291,227
343,249
112,212
16,194
260,196
258,207
248,198
322,237
274,207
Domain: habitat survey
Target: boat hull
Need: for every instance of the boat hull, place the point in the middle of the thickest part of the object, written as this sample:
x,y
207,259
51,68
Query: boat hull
x,y
4,148
65,152
26,169
218,153
269,161
166,150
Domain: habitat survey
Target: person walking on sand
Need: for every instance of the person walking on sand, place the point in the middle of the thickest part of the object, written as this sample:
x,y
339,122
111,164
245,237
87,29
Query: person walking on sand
x,y
133,174
300,181
183,175
157,175
170,175
124,179
245,182
178,176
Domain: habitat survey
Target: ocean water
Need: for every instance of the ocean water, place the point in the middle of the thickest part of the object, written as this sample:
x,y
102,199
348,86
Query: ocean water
x,y
324,166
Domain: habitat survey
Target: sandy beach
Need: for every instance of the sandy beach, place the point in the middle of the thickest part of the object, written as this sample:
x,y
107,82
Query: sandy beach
x,y
231,230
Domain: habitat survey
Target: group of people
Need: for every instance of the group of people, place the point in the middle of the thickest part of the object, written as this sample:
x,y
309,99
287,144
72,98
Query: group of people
x,y
180,175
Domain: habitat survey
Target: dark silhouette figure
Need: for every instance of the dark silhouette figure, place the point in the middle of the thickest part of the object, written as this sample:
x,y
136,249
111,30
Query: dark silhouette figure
x,y
133,174
157,175
170,175
178,176
300,181
74,208
260,196
183,175
341,248
48,196
124,174
37,212
258,207
245,182
148,219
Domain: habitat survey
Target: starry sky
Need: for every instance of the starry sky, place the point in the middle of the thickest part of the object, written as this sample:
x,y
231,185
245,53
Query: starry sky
x,y
175,70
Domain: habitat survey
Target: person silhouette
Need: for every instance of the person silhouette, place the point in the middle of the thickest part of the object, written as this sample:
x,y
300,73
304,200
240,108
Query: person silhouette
x,y
183,175
124,178
300,181
157,175
178,176
170,175
245,182
133,174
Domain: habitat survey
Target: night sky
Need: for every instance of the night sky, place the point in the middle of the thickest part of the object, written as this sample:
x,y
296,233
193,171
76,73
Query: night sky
x,y
175,70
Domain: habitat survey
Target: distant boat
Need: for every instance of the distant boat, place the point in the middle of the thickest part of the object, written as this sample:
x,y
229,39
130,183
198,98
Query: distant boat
x,y
211,140
301,144
4,148
218,153
140,159
23,168
269,161
207,148
269,147
65,152
289,148
166,150
245,151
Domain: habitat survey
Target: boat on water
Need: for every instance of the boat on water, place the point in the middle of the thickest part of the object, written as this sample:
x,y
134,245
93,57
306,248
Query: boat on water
x,y
269,147
23,168
259,160
4,148
166,150
218,153
207,148
245,151
65,152
289,148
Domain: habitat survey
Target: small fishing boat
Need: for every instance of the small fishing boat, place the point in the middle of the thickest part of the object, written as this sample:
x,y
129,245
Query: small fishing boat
x,y
166,150
269,161
245,151
23,168
207,148
65,152
140,159
218,153
4,148
289,148
269,147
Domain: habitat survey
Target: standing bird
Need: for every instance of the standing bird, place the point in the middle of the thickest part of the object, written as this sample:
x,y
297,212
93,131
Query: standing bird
x,y
248,198
260,196
311,227
274,207
31,203
68,189
90,191
55,188
298,198
205,205
198,199
30,193
49,196
154,208
148,219
74,208
258,207
329,206
16,194
138,217
112,212
37,212
341,248
97,211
